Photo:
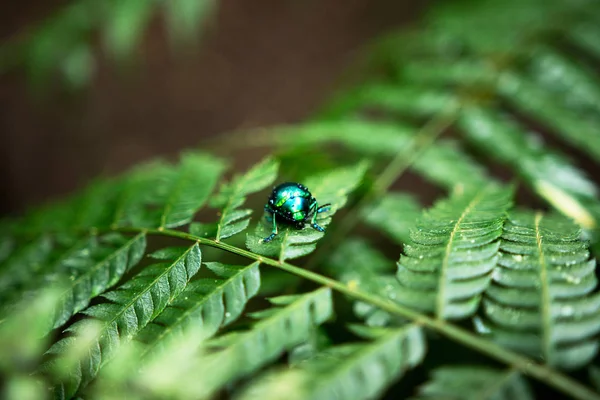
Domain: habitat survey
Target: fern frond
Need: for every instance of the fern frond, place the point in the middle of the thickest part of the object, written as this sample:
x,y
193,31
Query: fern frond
x,y
132,306
413,100
231,197
573,83
360,266
23,333
85,268
164,196
540,300
474,382
22,263
101,268
578,128
205,305
447,264
351,371
278,330
395,214
442,162
550,174
187,188
332,187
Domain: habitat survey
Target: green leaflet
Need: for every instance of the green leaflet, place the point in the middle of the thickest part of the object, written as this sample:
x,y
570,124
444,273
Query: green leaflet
x,y
540,300
233,195
395,214
550,174
346,372
23,336
413,100
102,268
580,130
442,162
453,249
359,265
164,196
187,189
494,26
24,261
569,81
206,305
132,306
277,330
332,187
451,383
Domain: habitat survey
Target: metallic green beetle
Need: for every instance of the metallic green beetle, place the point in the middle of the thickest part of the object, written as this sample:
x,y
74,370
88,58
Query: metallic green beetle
x,y
291,203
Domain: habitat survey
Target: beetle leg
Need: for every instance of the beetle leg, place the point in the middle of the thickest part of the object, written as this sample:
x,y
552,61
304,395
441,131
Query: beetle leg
x,y
324,208
273,232
313,223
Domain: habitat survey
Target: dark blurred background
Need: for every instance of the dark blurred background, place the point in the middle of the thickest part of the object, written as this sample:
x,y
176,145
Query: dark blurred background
x,y
258,63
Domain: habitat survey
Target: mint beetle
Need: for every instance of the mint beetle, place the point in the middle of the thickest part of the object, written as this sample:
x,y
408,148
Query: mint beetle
x,y
292,204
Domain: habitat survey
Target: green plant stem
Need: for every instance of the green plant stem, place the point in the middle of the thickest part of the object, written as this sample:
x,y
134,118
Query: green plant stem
x,y
527,366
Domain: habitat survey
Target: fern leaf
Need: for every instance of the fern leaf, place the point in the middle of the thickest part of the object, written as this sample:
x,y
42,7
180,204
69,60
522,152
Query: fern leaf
x,y
580,130
442,162
550,174
540,302
395,214
102,268
412,100
188,189
205,305
332,187
132,306
232,196
163,196
360,266
451,383
22,264
351,371
23,333
447,263
572,83
279,329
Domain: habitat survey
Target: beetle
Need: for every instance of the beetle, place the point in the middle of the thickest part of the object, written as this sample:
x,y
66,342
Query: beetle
x,y
293,204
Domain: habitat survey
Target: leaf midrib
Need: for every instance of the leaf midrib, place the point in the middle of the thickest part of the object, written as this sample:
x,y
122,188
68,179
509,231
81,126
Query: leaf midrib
x,y
148,288
198,304
184,175
441,297
545,291
239,183
273,319
368,348
125,247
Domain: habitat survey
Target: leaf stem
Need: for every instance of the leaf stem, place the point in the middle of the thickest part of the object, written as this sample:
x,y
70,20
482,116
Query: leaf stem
x,y
527,366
